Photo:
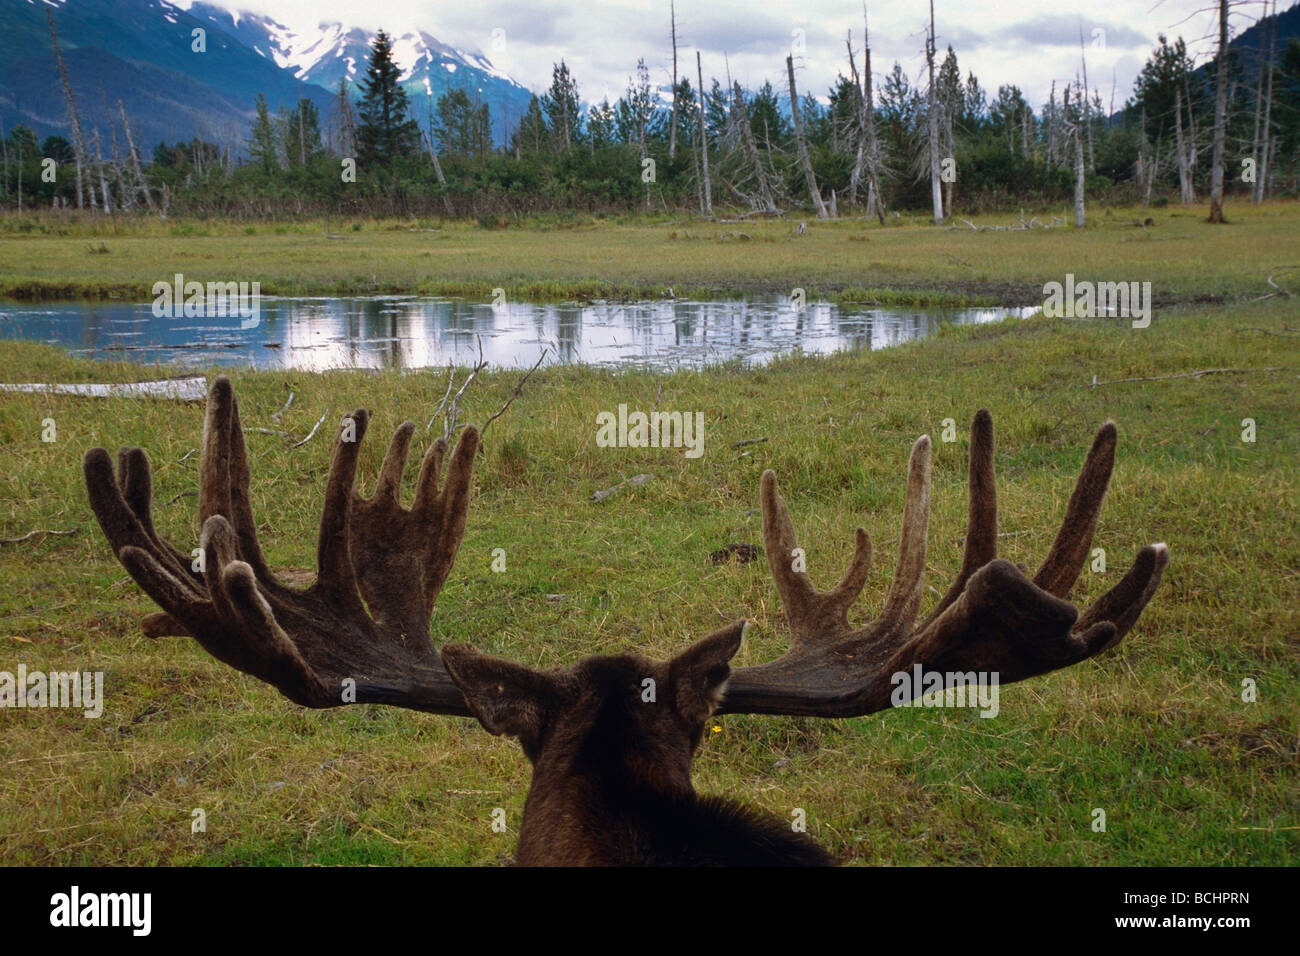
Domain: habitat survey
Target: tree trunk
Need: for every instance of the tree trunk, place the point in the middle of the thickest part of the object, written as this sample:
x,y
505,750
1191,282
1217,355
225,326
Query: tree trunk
x,y
874,198
751,149
1184,174
1052,155
1078,166
803,143
135,159
936,195
855,176
704,142
1262,171
1220,118
103,183
1255,153
1087,105
78,143
950,150
672,129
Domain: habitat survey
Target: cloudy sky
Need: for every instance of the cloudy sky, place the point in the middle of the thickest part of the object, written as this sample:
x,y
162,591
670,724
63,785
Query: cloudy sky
x,y
1026,42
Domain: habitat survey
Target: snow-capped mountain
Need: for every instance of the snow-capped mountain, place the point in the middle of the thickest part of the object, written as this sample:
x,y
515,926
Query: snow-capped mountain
x,y
333,52
141,52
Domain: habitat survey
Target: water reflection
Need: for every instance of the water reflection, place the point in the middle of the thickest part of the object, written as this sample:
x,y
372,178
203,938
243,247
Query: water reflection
x,y
409,332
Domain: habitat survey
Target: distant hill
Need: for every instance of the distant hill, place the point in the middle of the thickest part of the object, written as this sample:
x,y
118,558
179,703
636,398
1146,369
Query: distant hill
x,y
140,51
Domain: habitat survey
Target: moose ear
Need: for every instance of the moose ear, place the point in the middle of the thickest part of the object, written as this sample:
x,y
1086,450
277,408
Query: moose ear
x,y
699,674
507,698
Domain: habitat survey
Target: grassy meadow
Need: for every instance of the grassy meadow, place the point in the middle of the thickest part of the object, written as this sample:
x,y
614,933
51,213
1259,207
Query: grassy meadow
x,y
57,256
1155,732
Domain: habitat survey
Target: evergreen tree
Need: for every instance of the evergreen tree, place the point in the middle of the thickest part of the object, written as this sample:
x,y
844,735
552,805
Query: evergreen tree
x,y
766,118
262,141
464,127
531,135
1166,72
563,113
302,141
386,132
600,125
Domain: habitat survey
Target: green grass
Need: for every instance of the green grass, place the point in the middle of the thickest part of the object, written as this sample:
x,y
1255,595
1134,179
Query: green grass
x,y
1154,732
49,256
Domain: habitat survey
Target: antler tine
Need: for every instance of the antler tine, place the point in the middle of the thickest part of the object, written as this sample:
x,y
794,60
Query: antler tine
x,y
389,486
981,545
135,478
1061,567
182,602
810,613
214,457
908,584
241,505
337,581
448,510
1123,604
124,529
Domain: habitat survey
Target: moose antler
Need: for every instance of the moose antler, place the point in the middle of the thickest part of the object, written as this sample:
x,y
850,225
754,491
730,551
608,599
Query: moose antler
x,y
319,646
994,619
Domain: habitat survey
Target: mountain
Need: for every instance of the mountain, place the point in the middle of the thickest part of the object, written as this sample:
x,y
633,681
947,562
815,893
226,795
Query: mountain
x,y
332,52
1247,43
140,51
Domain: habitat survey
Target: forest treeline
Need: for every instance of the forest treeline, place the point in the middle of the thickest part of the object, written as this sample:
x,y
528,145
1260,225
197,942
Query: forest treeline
x,y
942,142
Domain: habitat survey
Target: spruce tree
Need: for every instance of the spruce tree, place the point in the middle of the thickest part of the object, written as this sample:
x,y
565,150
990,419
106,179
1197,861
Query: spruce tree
x,y
387,131
263,143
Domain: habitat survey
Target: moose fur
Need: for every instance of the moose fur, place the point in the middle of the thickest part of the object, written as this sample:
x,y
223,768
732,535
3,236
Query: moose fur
x,y
612,763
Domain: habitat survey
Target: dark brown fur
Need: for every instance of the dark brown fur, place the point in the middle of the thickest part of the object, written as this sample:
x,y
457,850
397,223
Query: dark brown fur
x,y
612,770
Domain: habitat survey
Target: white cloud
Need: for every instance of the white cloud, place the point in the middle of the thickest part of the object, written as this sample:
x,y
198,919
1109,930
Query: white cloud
x,y
602,39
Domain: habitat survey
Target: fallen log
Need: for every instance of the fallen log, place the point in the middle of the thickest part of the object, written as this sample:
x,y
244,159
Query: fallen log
x,y
193,389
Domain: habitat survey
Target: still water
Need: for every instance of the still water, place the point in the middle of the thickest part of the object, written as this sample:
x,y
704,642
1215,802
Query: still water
x,y
412,332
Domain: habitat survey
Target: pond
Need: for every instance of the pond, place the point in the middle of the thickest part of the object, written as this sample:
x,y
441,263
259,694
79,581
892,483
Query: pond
x,y
414,332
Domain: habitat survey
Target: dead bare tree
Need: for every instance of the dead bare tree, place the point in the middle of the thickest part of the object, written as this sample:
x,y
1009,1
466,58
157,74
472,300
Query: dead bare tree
x,y
706,186
1220,118
1053,151
78,141
1184,168
1265,179
1087,95
141,183
867,159
99,168
796,115
765,199
672,120
1078,159
1263,133
932,117
347,125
